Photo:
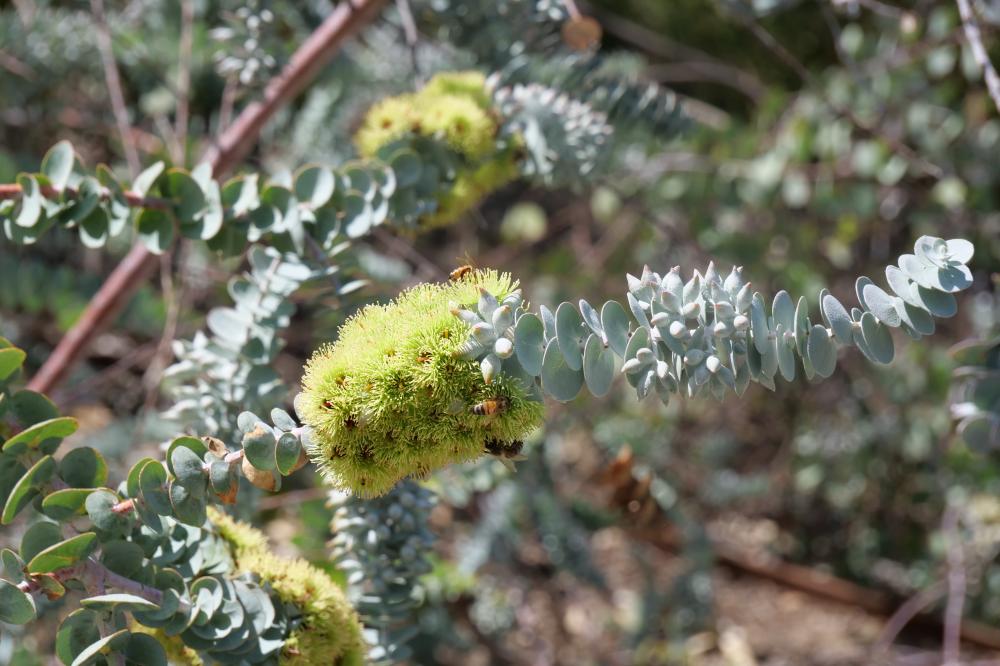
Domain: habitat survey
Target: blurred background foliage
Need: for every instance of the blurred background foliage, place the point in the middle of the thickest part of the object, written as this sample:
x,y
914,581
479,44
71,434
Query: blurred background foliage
x,y
824,138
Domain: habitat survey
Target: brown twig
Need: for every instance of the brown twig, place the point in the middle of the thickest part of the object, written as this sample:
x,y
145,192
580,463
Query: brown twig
x,y
97,576
908,610
232,146
13,191
951,640
16,67
304,66
971,27
114,83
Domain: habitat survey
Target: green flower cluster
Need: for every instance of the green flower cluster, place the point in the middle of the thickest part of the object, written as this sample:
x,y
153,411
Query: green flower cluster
x,y
330,632
456,108
397,394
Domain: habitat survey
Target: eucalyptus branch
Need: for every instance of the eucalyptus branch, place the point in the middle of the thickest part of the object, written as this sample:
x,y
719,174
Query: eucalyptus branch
x,y
95,575
231,147
14,191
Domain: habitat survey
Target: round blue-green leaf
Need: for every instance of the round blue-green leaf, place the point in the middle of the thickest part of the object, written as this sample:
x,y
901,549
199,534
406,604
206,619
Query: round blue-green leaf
x,y
314,185
192,443
822,353
759,328
598,366
57,164
639,340
155,229
16,607
83,467
125,558
905,288
189,508
145,180
960,250
31,408
558,379
259,445
224,481
38,537
27,487
132,480
569,332
11,360
79,630
189,469
120,601
592,319
287,453
783,311
356,213
63,554
104,646
187,195
30,212
839,320
11,565
529,343
100,506
144,650
878,338
937,303
32,437
916,318
206,593
407,167
880,304
615,323
94,229
152,485
981,432
65,503
802,325
786,357
282,419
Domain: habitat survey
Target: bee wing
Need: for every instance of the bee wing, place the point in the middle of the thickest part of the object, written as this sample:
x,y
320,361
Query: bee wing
x,y
509,464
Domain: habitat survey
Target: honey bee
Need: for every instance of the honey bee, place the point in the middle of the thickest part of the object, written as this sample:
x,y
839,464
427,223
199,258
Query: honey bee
x,y
460,272
505,452
491,407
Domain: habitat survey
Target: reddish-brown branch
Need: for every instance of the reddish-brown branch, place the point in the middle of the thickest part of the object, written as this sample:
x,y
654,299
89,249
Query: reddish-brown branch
x,y
96,576
306,63
224,155
13,191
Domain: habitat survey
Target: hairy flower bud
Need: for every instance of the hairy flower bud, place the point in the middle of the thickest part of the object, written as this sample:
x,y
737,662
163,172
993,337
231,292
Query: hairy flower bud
x,y
396,395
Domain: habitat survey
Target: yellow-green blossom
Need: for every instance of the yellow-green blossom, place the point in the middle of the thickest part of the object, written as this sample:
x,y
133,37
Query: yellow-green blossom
x,y
394,397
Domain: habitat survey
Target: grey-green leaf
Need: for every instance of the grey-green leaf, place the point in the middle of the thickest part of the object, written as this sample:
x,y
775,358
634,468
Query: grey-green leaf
x,y
615,322
598,366
529,343
558,379
821,351
58,164
16,607
569,331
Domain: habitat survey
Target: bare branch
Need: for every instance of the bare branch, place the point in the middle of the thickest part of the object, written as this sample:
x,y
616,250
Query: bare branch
x,y
114,83
951,642
972,33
